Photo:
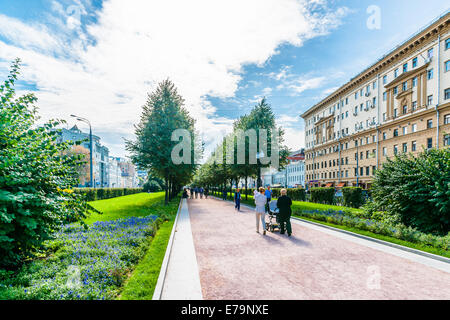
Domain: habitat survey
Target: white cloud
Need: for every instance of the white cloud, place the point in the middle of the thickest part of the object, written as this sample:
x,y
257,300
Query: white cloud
x,y
201,45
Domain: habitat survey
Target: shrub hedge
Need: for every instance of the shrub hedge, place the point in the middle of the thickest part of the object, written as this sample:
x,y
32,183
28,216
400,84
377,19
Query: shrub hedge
x,y
322,195
353,197
93,194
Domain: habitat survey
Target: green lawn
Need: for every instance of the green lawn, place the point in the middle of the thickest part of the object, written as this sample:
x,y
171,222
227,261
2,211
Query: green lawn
x,y
135,205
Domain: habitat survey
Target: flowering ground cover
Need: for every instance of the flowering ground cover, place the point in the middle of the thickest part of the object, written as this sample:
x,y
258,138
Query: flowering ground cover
x,y
88,263
95,261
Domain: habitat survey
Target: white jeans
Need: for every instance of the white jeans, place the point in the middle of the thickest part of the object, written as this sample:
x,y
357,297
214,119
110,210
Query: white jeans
x,y
262,216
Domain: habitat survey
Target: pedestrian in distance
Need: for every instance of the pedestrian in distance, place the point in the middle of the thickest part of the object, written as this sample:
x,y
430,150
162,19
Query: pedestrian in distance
x,y
206,193
284,204
196,192
191,192
237,200
224,194
201,192
260,202
185,194
268,195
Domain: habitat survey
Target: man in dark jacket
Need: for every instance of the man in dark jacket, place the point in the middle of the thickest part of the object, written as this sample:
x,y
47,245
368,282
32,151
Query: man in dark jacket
x,y
237,200
284,204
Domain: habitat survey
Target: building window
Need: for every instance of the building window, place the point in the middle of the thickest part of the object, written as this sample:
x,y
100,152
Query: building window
x,y
429,124
447,65
405,148
367,171
384,135
429,143
384,79
395,149
395,132
405,67
374,85
395,113
447,140
430,74
413,146
414,62
430,100
395,90
361,171
385,151
447,94
395,73
414,82
384,116
414,127
447,119
447,44
414,106
430,53
384,96
405,109
405,86
356,95
405,130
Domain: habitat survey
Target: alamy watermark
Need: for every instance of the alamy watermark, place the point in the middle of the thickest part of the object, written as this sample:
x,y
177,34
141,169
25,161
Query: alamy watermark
x,y
374,20
234,148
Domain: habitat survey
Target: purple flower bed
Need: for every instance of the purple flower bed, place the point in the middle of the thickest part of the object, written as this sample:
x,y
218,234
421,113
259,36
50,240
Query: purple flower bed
x,y
88,263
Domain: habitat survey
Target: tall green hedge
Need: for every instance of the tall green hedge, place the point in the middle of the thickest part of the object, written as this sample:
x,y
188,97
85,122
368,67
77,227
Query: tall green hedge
x,y
322,195
93,194
353,197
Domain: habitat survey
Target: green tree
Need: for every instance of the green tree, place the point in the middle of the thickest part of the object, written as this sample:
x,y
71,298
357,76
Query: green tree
x,y
161,116
36,176
415,191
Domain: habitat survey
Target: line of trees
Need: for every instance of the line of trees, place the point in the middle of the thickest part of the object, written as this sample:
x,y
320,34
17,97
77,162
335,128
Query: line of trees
x,y
163,114
224,167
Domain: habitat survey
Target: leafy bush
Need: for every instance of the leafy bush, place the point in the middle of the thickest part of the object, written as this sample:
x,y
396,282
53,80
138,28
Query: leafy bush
x,y
322,195
92,194
36,174
87,263
353,197
415,191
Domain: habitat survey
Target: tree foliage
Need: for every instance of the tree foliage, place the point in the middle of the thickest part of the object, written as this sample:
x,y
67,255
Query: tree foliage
x,y
415,191
36,176
161,116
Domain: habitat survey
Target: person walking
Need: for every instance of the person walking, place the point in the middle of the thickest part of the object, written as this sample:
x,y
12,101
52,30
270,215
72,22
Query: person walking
x,y
196,192
260,202
237,199
284,204
201,190
185,194
268,195
224,194
206,193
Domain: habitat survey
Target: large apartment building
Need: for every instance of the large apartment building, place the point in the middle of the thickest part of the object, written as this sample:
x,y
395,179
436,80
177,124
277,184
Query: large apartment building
x,y
399,104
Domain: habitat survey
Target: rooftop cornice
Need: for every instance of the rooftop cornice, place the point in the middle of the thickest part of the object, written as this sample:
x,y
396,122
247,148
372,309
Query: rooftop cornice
x,y
429,33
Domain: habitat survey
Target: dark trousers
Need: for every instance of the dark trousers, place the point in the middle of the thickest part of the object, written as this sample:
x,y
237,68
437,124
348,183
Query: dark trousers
x,y
285,220
237,204
267,204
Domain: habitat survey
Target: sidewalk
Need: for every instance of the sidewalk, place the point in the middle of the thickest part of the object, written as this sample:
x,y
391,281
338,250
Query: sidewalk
x,y
235,262
182,281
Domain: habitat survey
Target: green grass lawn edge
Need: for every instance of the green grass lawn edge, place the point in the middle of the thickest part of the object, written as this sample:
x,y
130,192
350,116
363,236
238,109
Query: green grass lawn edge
x,y
370,234
142,282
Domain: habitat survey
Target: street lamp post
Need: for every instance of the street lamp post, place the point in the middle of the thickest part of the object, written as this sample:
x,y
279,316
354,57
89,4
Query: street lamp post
x,y
90,148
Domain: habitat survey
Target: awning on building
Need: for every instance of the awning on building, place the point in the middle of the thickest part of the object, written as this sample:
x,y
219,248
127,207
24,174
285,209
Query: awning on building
x,y
340,185
329,185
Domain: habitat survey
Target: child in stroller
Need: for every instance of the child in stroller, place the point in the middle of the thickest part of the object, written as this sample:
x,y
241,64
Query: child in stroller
x,y
273,220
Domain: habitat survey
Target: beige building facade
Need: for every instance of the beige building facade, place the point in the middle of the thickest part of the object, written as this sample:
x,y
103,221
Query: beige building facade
x,y
399,104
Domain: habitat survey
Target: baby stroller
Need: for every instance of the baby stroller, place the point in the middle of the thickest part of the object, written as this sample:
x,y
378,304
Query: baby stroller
x,y
273,224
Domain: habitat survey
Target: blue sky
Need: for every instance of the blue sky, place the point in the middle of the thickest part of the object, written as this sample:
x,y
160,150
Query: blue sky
x,y
99,58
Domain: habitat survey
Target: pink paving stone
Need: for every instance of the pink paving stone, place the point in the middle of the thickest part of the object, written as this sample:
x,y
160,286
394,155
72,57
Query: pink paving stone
x,y
237,263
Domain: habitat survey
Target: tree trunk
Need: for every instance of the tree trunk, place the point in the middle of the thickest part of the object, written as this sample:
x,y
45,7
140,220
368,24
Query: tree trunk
x,y
166,190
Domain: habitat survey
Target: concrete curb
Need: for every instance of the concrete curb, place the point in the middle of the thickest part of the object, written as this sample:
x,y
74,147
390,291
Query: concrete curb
x,y
390,244
163,272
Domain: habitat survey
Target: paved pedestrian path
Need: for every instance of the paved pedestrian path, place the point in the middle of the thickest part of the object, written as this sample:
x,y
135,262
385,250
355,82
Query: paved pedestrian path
x,y
235,262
